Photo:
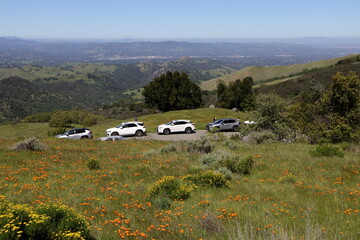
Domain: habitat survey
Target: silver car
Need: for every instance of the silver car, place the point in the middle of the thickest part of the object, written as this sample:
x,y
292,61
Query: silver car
x,y
77,133
224,124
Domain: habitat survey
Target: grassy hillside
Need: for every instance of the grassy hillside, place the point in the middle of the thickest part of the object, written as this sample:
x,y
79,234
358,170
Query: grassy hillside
x,y
260,74
200,117
316,80
66,72
288,195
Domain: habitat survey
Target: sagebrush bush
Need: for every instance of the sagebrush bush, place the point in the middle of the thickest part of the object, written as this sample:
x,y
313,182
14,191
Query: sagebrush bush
x,y
30,144
171,187
168,148
209,178
236,165
203,145
46,221
230,144
212,160
261,137
327,151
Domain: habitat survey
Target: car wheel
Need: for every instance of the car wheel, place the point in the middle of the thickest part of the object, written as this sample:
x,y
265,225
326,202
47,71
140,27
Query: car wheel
x,y
138,133
115,134
235,128
188,130
167,131
84,137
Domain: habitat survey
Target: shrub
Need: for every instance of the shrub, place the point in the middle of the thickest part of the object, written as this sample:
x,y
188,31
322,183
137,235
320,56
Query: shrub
x,y
168,148
202,146
220,161
93,164
38,118
56,131
235,137
21,221
323,141
212,160
327,150
235,165
31,144
169,186
230,144
227,173
209,178
261,137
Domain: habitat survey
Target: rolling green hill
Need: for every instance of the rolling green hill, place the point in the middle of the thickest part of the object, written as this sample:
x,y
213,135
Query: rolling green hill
x,y
317,80
267,74
87,85
65,72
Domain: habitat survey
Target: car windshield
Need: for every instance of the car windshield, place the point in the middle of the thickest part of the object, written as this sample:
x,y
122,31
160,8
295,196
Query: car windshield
x,y
218,121
120,125
169,123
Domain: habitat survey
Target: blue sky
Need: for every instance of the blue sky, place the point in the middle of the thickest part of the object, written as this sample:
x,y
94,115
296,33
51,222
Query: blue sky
x,y
176,20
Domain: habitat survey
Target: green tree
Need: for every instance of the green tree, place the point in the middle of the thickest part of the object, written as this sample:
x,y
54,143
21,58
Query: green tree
x,y
173,91
344,94
335,115
238,94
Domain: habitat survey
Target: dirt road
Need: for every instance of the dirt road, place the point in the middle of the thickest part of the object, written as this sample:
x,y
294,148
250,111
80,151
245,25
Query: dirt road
x,y
180,136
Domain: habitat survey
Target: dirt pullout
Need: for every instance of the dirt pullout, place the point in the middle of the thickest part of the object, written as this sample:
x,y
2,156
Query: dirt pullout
x,y
181,136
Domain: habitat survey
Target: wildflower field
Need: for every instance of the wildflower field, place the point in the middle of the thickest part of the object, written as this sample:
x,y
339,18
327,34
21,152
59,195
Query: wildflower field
x,y
289,194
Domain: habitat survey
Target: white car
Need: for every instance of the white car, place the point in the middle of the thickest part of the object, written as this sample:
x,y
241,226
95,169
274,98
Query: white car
x,y
186,126
127,129
76,133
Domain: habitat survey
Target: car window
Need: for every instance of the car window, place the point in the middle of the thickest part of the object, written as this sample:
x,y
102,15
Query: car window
x,y
80,130
226,121
132,125
71,132
182,123
169,123
218,121
140,124
125,126
231,121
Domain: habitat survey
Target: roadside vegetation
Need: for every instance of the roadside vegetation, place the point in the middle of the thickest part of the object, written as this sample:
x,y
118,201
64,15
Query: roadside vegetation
x,y
156,190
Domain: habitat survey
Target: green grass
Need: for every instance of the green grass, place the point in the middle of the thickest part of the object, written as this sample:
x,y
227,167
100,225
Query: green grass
x,y
200,117
23,130
289,195
265,73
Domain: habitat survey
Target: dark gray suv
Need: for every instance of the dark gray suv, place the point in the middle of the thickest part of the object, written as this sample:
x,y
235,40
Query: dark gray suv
x,y
224,124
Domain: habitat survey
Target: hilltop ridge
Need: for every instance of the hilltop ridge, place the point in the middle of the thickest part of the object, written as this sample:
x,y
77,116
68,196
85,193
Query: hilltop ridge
x,y
267,74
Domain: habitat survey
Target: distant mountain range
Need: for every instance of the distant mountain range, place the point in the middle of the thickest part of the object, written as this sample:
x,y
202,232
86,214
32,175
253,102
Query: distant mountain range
x,y
17,50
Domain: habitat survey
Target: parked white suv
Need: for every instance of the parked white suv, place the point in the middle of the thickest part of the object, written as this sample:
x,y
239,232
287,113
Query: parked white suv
x,y
186,126
127,129
76,133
